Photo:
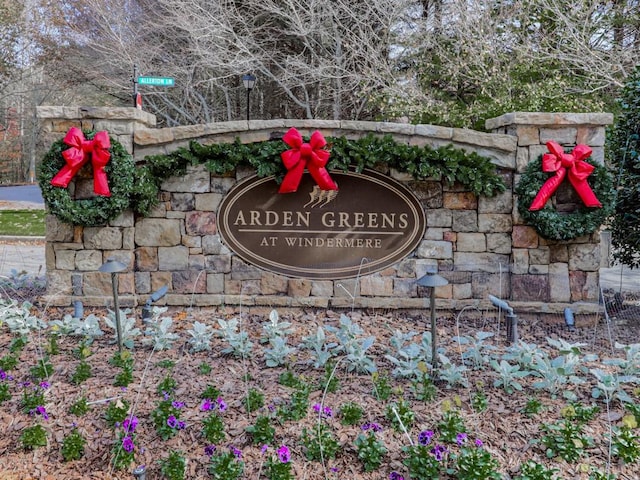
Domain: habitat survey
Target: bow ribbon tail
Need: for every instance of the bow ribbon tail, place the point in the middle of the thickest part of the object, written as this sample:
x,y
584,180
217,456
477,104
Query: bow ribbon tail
x,y
584,192
295,167
319,172
547,189
99,158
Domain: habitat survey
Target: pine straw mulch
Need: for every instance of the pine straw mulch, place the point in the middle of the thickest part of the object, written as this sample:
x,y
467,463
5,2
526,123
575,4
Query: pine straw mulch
x,y
506,432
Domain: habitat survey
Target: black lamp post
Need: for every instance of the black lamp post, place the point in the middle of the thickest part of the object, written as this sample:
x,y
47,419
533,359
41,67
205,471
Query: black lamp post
x,y
249,81
113,267
432,280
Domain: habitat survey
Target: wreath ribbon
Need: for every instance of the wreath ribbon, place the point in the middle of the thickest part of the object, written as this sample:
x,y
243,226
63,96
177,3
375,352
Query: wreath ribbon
x,y
311,156
571,165
76,156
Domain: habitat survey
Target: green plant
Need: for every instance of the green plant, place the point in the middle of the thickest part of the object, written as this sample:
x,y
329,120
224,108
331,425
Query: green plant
x,y
557,374
32,398
475,463
22,222
238,340
213,428
128,330
477,351
204,368
298,404
166,363
381,387
534,471
116,412
19,319
210,392
423,388
81,373
451,373
370,450
630,365
158,334
579,412
166,417
400,415
479,401
626,444
227,465
80,407
595,474
565,439
279,468
508,376
123,450
33,437
53,348
612,385
350,413
8,362
42,370
262,432
17,344
82,351
321,350
532,407
353,346
423,460
290,379
5,394
319,442
73,446
125,377
450,426
173,467
329,382
167,386
254,400
200,337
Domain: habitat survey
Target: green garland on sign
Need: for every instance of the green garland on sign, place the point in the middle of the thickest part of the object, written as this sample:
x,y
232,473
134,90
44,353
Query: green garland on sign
x,y
138,188
550,223
93,211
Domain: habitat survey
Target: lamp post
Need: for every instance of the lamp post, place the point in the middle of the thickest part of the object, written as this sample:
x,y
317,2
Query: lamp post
x,y
432,280
249,81
113,267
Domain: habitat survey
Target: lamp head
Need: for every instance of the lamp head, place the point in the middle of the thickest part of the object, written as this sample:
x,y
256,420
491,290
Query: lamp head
x,y
431,279
112,266
249,81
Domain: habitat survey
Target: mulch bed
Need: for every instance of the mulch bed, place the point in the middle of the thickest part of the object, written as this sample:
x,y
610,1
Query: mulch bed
x,y
506,432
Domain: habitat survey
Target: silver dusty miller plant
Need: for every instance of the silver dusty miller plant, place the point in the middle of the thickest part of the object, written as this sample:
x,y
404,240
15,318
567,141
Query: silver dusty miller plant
x,y
158,333
238,340
18,317
200,336
277,333
128,330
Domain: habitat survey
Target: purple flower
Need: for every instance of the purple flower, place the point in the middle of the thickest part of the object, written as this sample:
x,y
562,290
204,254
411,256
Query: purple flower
x,y
438,451
326,411
206,405
478,443
165,395
42,411
127,444
181,425
222,405
44,385
209,450
3,375
236,451
395,476
284,454
425,436
264,448
461,438
375,427
172,421
177,404
130,424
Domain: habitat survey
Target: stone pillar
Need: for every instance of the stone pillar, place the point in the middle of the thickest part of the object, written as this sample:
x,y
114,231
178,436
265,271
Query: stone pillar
x,y
74,253
545,270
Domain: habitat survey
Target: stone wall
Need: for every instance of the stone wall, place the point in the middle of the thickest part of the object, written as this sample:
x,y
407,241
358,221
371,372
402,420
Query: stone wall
x,y
479,244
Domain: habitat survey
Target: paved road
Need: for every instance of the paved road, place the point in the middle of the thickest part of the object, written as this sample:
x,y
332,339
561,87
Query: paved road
x,y
21,193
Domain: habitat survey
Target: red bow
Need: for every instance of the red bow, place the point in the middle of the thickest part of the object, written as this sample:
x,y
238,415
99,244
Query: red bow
x,y
305,155
559,162
76,156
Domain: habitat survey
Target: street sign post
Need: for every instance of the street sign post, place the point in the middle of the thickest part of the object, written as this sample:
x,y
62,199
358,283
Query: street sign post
x,y
157,81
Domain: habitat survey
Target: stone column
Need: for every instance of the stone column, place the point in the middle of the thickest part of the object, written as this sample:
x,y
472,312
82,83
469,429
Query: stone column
x,y
546,270
74,253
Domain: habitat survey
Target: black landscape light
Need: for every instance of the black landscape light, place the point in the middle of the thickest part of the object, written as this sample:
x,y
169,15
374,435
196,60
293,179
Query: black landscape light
x,y
140,473
432,280
511,318
154,297
249,81
113,267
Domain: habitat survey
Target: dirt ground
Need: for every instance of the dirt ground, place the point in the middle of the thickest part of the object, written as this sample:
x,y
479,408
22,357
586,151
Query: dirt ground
x,y
507,434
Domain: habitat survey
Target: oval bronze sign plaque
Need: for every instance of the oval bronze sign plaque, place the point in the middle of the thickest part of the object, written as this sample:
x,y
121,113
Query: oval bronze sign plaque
x,y
371,223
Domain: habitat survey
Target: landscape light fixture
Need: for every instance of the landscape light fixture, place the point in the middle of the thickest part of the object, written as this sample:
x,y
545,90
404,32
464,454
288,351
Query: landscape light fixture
x,y
113,267
432,280
140,473
249,81
154,297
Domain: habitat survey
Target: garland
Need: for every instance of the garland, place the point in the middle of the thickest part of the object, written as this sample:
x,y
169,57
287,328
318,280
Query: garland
x,y
138,187
93,211
550,223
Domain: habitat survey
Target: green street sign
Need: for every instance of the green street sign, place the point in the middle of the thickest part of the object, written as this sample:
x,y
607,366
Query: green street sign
x,y
157,81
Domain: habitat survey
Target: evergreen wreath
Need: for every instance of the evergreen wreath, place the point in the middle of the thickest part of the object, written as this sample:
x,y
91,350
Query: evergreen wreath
x,y
554,225
95,211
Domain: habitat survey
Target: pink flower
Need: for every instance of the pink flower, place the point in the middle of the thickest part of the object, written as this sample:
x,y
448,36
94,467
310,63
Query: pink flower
x,y
284,454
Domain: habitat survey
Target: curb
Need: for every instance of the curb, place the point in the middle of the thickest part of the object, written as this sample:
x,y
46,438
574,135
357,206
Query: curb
x,y
21,239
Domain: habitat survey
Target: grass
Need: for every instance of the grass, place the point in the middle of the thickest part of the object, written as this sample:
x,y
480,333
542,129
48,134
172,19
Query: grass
x,y
22,222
